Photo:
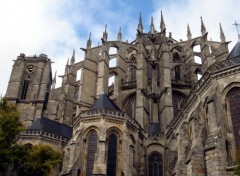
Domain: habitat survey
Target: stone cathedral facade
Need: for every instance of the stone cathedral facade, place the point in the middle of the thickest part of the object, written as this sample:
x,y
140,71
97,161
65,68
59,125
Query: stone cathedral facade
x,y
172,108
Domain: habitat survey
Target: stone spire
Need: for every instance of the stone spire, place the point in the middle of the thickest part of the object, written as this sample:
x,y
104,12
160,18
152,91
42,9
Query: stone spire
x,y
66,68
162,24
203,29
222,36
152,29
189,34
73,58
89,42
105,34
54,81
140,26
119,37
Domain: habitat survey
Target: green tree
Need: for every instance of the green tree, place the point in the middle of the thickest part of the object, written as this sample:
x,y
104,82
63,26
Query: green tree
x,y
40,161
10,127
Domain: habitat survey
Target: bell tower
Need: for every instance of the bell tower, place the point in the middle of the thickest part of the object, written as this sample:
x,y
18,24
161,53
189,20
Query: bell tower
x,y
29,86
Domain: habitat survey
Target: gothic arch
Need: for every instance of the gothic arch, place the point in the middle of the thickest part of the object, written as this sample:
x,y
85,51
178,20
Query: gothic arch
x,y
177,48
176,57
113,150
132,73
115,130
130,49
113,47
155,144
230,141
155,164
177,97
89,129
232,109
92,142
129,104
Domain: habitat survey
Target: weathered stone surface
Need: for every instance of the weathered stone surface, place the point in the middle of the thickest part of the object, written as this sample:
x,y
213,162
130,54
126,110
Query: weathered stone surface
x,y
165,109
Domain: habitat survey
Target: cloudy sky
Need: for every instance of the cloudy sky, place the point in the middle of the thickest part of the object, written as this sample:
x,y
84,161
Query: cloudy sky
x,y
55,27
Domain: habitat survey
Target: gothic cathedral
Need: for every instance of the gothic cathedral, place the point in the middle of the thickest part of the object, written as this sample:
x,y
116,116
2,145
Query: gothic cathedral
x,y
151,107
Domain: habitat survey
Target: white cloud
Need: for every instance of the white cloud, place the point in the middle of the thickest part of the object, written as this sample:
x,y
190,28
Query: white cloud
x,y
177,15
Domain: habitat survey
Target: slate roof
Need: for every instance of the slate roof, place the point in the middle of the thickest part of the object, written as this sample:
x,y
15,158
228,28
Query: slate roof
x,y
47,125
235,51
154,128
104,102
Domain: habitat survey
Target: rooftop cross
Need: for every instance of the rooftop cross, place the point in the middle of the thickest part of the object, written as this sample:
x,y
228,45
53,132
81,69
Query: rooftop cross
x,y
236,24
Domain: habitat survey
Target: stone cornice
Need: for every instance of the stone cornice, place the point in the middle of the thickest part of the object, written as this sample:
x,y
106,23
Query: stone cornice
x,y
42,135
108,115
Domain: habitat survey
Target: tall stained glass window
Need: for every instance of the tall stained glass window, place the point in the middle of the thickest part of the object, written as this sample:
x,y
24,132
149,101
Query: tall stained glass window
x,y
155,167
91,150
112,155
233,97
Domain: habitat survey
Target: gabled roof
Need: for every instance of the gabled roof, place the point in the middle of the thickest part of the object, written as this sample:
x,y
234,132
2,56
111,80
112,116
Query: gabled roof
x,y
47,125
104,102
235,51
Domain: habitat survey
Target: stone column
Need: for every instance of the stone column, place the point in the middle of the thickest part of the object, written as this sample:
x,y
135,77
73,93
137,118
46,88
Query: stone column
x,y
165,105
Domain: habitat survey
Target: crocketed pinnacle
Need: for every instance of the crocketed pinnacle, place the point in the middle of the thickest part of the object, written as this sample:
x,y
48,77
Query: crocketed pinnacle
x,y
140,25
162,24
189,34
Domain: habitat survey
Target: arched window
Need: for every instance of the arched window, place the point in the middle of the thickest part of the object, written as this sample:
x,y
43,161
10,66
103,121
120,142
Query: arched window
x,y
176,57
24,90
149,74
233,99
112,155
113,62
91,150
79,73
111,80
133,73
112,50
177,72
155,164
177,99
130,107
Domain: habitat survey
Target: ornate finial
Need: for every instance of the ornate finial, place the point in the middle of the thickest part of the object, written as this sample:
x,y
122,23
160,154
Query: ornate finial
x,y
89,42
162,24
236,24
222,36
203,29
152,29
90,36
189,34
140,26
119,34
73,58
105,34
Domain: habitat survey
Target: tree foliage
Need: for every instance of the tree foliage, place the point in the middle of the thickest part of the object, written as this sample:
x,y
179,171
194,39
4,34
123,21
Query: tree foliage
x,y
10,126
38,160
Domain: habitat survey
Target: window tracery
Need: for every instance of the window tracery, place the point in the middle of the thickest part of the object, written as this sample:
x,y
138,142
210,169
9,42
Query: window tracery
x,y
155,166
91,150
112,155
